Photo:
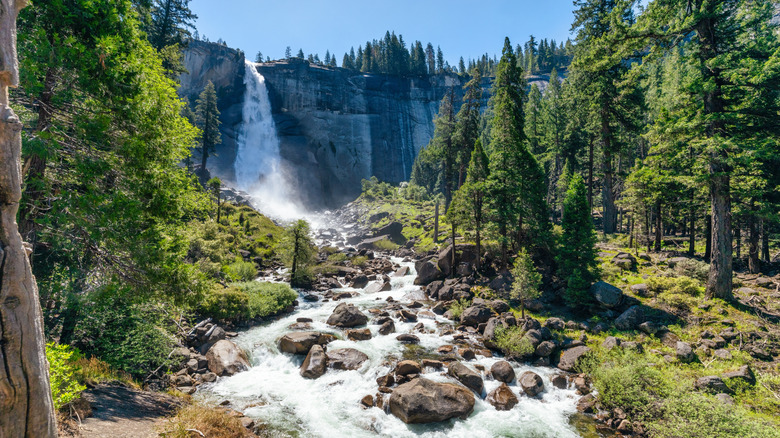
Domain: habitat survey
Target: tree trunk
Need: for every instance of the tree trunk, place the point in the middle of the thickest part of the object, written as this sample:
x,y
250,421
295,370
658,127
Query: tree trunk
x,y
590,175
436,223
454,252
754,265
765,241
26,407
692,229
659,230
719,281
479,246
738,243
708,239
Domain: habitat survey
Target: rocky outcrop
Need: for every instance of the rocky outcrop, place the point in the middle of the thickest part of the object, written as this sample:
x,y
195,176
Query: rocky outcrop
x,y
347,315
426,401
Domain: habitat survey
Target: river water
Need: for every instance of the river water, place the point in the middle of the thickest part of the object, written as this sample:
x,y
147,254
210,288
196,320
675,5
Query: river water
x,y
274,392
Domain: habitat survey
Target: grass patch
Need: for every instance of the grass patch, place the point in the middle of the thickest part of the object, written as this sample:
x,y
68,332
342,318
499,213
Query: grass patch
x,y
211,422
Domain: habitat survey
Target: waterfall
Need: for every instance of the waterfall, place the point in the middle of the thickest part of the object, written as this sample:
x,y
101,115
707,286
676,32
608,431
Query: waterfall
x,y
258,166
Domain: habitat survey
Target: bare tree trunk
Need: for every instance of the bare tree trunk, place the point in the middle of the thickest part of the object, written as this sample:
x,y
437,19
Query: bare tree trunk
x,y
708,239
26,407
590,175
659,230
719,281
738,241
765,241
754,265
692,230
436,223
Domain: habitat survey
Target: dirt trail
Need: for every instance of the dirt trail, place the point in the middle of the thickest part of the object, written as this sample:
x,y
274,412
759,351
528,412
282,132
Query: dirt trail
x,y
121,412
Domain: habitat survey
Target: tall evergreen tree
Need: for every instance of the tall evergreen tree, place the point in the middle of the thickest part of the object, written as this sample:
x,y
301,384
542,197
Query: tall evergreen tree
x,y
516,182
471,198
439,60
467,127
430,57
171,23
533,120
207,116
577,258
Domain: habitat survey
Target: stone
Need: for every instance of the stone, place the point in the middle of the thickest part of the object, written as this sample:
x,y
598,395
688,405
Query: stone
x,y
387,327
406,367
630,319
759,352
744,373
386,380
402,271
407,338
428,272
359,281
606,294
301,342
466,376
225,358
641,290
367,401
347,315
315,363
467,353
426,401
649,327
570,357
431,363
684,352
439,308
499,306
407,315
394,231
712,384
359,334
559,381
625,261
587,404
378,286
475,315
531,383
725,399
490,328
669,339
346,359
611,342
545,349
722,354
555,324
502,398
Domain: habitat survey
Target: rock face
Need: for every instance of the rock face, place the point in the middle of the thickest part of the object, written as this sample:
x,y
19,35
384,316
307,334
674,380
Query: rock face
x,y
426,401
226,359
347,315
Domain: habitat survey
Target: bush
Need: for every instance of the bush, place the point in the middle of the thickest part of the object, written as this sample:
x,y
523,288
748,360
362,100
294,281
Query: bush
x,y
692,268
226,304
240,270
458,307
626,380
266,299
511,341
337,257
385,245
675,285
359,260
130,336
64,386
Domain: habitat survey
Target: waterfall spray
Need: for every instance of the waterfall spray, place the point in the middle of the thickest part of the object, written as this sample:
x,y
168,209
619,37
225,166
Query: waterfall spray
x,y
258,166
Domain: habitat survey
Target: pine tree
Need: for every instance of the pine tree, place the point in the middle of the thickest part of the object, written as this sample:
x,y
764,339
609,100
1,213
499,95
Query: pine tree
x,y
533,120
430,57
439,60
554,132
171,21
207,116
471,198
288,53
577,262
516,182
259,57
298,251
300,54
467,127
525,280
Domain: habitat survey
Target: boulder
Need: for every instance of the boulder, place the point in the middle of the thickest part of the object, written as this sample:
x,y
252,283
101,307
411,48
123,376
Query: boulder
x,y
502,398
407,338
587,404
611,342
606,294
545,349
630,319
315,363
402,271
712,384
406,367
649,327
555,324
359,334
669,339
393,231
641,290
301,342
475,315
503,371
744,373
359,281
559,381
428,272
225,358
425,401
490,328
347,315
378,286
531,383
346,359
625,261
684,352
466,254
387,327
407,316
466,376
571,357
499,306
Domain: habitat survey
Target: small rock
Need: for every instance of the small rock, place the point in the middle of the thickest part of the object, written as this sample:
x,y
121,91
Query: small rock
x,y
387,328
367,401
744,373
649,327
684,352
315,363
503,371
346,359
606,294
570,358
713,384
408,339
359,334
559,381
502,398
406,367
587,404
466,376
725,399
610,343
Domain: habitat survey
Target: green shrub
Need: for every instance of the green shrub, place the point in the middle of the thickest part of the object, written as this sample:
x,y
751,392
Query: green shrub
x,y
62,369
359,260
226,304
266,299
626,380
458,307
692,268
675,285
240,270
337,257
678,300
511,341
695,415
130,336
385,245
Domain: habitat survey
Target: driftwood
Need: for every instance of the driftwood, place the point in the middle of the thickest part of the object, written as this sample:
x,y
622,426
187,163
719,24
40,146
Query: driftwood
x,y
26,407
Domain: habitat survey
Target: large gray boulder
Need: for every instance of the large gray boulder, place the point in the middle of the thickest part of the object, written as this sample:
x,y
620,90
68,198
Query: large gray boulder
x,y
394,231
606,294
571,357
475,315
314,364
426,401
225,358
346,359
301,342
531,383
466,376
347,315
630,319
428,272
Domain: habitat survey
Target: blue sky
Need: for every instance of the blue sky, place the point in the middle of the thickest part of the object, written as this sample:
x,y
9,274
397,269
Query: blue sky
x,y
462,28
